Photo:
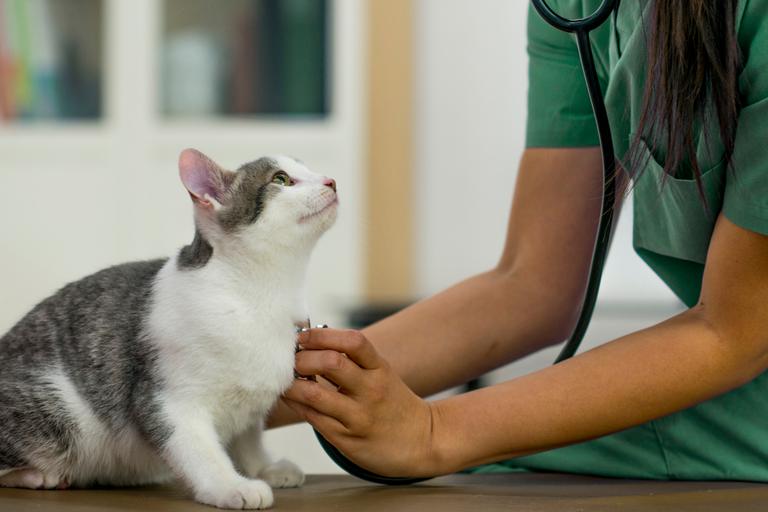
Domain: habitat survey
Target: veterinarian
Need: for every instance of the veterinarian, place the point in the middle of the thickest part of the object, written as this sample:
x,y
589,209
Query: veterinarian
x,y
686,89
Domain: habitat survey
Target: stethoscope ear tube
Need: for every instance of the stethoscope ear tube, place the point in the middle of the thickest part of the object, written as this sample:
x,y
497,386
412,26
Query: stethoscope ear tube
x,y
581,28
585,25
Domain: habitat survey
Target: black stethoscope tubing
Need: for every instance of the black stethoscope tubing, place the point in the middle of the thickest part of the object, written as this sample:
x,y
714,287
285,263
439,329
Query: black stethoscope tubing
x,y
581,28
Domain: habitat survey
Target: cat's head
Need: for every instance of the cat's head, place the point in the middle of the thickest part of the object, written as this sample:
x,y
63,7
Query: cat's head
x,y
272,202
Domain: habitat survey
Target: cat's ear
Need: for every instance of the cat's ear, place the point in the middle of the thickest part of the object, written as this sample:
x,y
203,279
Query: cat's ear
x,y
205,181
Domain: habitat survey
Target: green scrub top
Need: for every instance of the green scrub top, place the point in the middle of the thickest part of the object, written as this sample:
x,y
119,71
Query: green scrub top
x,y
726,437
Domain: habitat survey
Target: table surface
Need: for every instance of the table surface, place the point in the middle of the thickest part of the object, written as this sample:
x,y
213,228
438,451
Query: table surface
x,y
475,493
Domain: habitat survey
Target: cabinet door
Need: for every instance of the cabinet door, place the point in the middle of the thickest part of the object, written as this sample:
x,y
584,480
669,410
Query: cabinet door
x,y
244,58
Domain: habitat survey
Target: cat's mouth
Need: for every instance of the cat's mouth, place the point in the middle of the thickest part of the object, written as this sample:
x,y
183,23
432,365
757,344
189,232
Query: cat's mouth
x,y
331,204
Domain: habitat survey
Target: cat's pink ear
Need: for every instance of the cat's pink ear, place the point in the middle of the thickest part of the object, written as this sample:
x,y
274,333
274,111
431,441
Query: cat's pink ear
x,y
205,181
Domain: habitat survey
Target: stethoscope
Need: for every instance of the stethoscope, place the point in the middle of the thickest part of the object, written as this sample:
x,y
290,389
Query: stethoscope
x,y
581,28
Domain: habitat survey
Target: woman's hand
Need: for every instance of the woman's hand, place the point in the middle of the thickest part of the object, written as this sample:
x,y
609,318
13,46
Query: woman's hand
x,y
370,415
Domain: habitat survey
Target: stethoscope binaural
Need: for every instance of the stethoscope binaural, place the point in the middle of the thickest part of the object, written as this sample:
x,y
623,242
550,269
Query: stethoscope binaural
x,y
581,28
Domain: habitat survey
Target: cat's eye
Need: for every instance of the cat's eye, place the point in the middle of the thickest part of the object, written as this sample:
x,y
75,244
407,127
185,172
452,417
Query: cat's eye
x,y
282,179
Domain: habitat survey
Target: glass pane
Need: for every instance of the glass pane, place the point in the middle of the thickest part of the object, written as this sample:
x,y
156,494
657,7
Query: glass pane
x,y
50,59
245,57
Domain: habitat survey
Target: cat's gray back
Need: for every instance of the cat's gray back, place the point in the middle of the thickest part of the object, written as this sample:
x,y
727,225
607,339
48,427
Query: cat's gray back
x,y
91,332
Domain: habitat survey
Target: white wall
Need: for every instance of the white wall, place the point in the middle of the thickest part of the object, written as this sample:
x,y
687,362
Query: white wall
x,y
471,82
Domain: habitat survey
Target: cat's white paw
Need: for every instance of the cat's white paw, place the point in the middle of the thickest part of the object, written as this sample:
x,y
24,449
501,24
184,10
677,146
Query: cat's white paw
x,y
282,473
244,494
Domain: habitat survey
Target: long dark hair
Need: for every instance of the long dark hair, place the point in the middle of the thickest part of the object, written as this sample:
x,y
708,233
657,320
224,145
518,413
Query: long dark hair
x,y
693,66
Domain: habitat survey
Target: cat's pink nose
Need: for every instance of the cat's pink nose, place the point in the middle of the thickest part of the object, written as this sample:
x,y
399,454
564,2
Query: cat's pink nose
x,y
328,182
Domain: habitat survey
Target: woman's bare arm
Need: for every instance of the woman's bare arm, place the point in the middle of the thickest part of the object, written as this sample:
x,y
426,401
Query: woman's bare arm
x,y
529,301
716,346
380,424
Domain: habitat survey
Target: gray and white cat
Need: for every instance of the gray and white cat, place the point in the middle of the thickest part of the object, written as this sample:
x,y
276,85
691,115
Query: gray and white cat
x,y
155,369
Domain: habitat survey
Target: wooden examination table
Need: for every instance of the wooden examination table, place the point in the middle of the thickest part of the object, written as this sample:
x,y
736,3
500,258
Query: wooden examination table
x,y
473,493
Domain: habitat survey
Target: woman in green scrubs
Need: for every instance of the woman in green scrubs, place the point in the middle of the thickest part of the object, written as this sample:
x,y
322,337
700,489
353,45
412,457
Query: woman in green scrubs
x,y
684,399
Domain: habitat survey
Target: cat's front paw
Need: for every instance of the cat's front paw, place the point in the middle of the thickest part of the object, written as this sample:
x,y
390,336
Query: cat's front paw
x,y
282,473
245,494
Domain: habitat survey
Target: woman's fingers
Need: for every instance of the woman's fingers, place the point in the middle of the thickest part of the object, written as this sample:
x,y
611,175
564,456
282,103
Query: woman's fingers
x,y
332,365
322,400
377,421
326,425
349,342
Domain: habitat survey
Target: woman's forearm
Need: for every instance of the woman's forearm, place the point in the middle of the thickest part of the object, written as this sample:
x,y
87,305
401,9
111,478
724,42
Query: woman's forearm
x,y
634,379
528,302
475,326
471,328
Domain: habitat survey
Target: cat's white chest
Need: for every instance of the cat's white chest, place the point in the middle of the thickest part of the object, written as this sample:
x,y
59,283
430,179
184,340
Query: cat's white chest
x,y
247,379
228,352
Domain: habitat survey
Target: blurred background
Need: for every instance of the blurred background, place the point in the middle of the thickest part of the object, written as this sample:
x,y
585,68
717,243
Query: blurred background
x,y
417,108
